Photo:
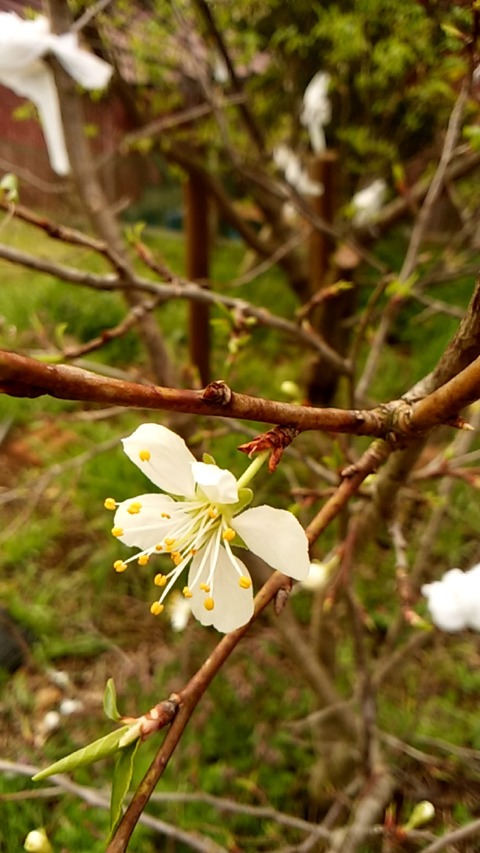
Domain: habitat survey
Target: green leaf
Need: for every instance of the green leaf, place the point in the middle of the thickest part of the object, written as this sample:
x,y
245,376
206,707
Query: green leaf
x,y
401,289
110,701
122,776
208,459
89,754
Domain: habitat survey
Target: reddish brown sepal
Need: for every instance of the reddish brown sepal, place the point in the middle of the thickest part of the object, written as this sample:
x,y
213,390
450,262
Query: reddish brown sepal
x,y
276,440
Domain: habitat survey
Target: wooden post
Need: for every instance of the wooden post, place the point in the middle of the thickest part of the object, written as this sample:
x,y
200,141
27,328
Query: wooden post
x,y
328,316
197,235
323,170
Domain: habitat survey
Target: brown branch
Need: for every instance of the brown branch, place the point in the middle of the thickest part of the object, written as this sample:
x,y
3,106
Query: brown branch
x,y
189,698
59,232
176,288
443,405
26,377
115,332
471,830
254,131
94,798
92,196
21,376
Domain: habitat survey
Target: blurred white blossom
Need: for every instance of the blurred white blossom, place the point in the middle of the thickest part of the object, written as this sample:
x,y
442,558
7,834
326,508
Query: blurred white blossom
x,y
317,110
316,578
288,162
70,706
23,43
179,612
50,722
454,601
367,203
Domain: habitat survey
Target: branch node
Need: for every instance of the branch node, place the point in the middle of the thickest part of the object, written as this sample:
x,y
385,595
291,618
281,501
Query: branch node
x,y
218,393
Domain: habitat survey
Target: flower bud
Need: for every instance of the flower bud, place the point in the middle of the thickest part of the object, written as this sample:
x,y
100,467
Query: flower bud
x,y
37,842
422,813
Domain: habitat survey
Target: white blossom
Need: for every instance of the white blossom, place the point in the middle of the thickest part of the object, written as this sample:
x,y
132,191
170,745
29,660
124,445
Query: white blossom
x,y
23,43
454,601
195,523
317,576
317,110
179,611
295,174
367,203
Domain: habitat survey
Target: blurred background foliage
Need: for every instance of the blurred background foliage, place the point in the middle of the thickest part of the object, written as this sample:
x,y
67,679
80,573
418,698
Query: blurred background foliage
x,y
396,70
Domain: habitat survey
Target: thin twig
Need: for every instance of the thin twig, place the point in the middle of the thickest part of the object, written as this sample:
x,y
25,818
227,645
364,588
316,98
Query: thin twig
x,y
416,239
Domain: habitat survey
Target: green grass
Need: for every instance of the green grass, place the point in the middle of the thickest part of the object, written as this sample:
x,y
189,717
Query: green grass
x,y
56,573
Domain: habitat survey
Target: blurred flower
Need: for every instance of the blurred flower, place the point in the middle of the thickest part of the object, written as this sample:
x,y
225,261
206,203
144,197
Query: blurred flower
x,y
317,110
295,174
195,524
50,722
37,842
367,203
23,43
454,601
70,706
179,611
317,576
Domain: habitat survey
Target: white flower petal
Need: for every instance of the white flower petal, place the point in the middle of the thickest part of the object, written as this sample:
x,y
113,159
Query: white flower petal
x,y
170,464
233,604
447,602
277,537
218,484
145,528
471,598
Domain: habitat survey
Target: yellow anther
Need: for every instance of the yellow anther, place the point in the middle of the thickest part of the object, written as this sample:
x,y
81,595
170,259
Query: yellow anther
x,y
144,455
158,547
213,512
134,508
169,542
157,608
117,531
143,559
244,582
119,566
187,592
205,587
193,551
177,558
160,580
165,515
209,604
228,534
110,503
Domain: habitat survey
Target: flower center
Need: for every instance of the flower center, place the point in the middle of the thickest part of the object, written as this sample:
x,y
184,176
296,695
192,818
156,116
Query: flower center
x,y
197,528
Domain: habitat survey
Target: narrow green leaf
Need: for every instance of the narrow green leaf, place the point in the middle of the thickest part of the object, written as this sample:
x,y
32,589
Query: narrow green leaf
x,y
122,777
110,701
100,748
